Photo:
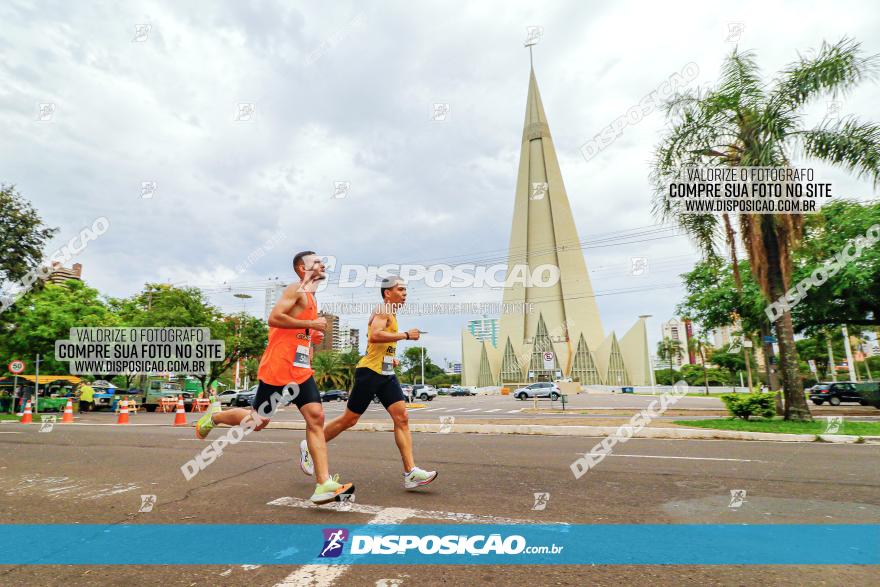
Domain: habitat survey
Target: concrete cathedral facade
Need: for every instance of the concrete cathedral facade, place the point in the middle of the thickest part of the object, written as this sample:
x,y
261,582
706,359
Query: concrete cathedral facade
x,y
563,335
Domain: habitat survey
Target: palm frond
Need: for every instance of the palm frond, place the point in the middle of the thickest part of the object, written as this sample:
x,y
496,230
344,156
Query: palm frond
x,y
848,143
834,69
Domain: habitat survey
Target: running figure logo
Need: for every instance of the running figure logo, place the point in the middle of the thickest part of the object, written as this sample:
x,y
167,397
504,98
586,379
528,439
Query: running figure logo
x,y
737,498
541,500
334,540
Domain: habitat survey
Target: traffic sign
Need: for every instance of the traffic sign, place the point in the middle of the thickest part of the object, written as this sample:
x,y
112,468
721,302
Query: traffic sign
x,y
548,360
16,367
770,339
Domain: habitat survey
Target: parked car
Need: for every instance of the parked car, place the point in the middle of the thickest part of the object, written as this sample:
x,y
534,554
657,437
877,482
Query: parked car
x,y
424,392
228,397
407,393
543,389
835,393
244,399
334,395
444,390
458,390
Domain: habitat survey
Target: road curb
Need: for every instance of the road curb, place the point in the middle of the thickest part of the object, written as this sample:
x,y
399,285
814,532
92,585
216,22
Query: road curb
x,y
840,438
588,431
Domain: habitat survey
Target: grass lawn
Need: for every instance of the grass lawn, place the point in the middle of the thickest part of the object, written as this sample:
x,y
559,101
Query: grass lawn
x,y
778,425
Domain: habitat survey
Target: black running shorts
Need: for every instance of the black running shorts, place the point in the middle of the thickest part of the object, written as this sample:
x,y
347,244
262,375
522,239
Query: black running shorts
x,y
306,392
369,384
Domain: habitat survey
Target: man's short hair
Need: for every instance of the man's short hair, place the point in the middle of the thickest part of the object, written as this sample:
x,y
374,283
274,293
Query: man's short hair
x,y
388,283
298,258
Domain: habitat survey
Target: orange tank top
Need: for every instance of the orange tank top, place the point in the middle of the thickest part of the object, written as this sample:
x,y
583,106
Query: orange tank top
x,y
288,356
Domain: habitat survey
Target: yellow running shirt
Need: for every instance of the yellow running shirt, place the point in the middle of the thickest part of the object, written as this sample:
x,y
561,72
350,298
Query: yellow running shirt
x,y
380,355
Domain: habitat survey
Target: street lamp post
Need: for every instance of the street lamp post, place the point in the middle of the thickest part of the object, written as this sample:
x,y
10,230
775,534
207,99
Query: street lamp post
x,y
244,298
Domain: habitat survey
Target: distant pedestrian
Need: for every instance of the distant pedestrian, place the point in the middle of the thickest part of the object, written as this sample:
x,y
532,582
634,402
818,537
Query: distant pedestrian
x,y
86,398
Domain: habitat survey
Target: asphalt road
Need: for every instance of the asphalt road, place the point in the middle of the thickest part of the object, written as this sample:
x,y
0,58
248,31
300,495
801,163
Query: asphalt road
x,y
96,474
497,407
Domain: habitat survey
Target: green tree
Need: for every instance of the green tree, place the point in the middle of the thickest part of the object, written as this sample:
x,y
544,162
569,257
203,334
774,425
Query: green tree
x,y
668,349
330,373
699,345
47,314
744,122
349,361
411,365
244,336
23,236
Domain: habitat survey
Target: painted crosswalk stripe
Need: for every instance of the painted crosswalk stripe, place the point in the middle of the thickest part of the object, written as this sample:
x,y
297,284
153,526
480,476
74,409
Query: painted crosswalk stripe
x,y
474,410
454,409
513,411
495,410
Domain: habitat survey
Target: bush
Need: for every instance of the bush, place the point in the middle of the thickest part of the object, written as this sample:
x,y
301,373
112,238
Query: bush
x,y
744,405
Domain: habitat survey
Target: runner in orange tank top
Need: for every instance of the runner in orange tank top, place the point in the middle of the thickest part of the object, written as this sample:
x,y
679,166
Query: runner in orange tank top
x,y
285,377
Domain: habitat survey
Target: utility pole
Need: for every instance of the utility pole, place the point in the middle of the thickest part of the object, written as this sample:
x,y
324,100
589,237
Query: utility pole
x,y
423,365
37,386
849,357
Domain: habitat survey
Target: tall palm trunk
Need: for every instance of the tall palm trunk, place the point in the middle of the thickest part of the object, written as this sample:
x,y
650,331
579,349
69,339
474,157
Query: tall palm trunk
x,y
795,400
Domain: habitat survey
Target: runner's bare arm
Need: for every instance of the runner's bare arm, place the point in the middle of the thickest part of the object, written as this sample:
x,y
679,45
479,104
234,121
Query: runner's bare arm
x,y
379,334
292,302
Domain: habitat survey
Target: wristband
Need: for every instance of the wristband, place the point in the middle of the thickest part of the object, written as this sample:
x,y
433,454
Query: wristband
x,y
406,334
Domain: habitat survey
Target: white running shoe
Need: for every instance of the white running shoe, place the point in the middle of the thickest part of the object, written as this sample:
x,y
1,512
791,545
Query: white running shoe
x,y
418,477
305,459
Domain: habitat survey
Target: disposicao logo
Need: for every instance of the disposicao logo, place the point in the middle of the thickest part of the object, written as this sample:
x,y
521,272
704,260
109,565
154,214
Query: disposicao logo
x,y
334,540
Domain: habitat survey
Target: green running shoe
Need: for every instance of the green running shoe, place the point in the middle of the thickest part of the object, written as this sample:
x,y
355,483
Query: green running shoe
x,y
330,490
206,422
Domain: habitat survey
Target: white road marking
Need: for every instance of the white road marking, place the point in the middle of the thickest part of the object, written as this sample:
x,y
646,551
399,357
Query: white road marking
x,y
474,410
375,510
435,409
495,410
323,575
514,411
454,409
254,441
4,432
683,458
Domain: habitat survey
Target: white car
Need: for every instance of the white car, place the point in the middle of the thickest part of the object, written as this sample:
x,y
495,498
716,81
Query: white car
x,y
227,398
424,392
543,389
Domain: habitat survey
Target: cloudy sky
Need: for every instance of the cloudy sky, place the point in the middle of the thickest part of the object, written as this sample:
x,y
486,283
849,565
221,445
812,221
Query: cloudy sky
x,y
244,115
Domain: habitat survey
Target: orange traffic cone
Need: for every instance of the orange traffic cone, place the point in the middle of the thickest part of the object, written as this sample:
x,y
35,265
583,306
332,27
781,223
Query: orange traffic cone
x,y
180,416
123,413
67,418
27,417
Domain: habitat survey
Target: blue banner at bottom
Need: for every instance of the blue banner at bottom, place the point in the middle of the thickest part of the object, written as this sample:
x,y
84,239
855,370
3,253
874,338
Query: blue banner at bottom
x,y
443,544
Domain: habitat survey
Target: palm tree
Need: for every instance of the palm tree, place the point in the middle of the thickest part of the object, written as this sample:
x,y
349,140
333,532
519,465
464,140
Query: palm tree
x,y
669,348
698,344
329,372
743,122
348,363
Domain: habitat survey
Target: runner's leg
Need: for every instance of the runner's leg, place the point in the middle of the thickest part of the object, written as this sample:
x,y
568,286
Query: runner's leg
x,y
402,434
313,414
340,424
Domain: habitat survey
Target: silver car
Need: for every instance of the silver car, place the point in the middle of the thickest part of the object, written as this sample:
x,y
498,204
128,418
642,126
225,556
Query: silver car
x,y
543,389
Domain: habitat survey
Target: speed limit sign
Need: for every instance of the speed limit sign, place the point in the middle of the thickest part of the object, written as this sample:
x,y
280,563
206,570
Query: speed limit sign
x,y
548,360
16,367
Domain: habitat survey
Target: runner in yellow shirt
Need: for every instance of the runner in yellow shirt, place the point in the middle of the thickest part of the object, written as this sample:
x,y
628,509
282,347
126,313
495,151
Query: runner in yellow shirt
x,y
374,376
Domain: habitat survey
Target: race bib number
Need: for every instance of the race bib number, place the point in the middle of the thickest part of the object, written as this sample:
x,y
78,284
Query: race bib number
x,y
302,357
388,365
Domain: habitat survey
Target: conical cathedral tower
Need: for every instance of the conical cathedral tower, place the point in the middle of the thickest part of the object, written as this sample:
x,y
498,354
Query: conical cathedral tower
x,y
564,324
